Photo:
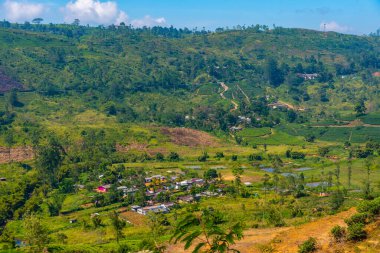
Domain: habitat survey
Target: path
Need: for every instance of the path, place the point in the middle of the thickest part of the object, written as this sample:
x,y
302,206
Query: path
x,y
225,89
351,124
245,95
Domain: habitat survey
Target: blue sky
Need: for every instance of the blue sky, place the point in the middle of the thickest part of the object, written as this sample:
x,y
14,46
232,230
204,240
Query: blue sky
x,y
347,16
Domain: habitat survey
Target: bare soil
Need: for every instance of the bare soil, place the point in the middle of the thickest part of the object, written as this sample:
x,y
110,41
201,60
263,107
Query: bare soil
x,y
287,239
18,154
190,137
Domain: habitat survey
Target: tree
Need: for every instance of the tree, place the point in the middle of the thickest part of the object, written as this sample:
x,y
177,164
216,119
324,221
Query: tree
x,y
36,234
49,159
9,142
237,171
310,245
210,174
360,108
12,99
273,74
76,22
337,199
265,180
173,157
349,172
209,229
323,151
37,21
117,225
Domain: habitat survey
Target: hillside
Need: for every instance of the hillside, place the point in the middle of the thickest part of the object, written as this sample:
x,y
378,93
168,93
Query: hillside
x,y
113,138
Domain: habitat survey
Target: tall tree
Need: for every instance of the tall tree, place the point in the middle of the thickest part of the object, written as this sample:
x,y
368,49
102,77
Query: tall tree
x,y
36,233
49,158
273,74
117,225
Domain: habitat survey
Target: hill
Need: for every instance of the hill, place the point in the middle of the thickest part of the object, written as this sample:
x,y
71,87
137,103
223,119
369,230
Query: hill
x,y
112,137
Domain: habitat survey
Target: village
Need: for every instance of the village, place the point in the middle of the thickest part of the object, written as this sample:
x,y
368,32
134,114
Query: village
x,y
162,193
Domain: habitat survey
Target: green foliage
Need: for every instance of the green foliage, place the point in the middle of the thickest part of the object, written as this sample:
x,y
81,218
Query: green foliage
x,y
356,232
337,200
310,245
36,234
338,233
209,224
370,206
210,174
117,225
173,157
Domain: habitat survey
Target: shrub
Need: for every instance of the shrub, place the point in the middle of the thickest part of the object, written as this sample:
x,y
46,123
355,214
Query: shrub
x,y
356,232
234,157
219,155
363,218
310,245
297,155
372,207
338,233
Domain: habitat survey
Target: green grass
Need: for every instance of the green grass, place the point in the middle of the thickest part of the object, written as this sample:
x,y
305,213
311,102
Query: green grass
x,y
372,118
255,132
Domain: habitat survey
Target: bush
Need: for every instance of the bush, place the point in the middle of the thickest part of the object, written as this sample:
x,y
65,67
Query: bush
x,y
356,232
338,233
363,218
219,155
372,207
310,245
234,157
297,155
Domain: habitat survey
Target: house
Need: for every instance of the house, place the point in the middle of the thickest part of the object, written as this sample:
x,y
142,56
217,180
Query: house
x,y
277,105
323,194
73,221
235,128
308,76
193,167
79,186
127,190
155,209
186,199
135,208
3,179
103,188
156,179
245,119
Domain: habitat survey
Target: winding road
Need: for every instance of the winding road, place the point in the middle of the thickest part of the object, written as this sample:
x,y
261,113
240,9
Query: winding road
x,y
225,89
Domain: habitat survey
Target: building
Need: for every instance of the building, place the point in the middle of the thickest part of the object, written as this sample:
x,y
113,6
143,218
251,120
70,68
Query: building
x,y
155,209
308,76
103,188
154,180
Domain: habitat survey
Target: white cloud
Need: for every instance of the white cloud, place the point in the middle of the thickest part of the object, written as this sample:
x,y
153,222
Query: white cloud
x,y
149,21
94,12
334,26
20,11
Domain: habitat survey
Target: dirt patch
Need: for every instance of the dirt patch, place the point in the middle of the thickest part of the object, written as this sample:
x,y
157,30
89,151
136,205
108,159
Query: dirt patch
x,y
133,146
7,83
287,238
190,137
134,218
18,154
319,229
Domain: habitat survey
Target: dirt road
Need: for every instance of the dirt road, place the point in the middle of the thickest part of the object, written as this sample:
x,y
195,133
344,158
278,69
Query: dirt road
x,y
225,89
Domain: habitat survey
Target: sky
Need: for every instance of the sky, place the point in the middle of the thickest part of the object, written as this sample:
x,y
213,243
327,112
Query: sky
x,y
345,16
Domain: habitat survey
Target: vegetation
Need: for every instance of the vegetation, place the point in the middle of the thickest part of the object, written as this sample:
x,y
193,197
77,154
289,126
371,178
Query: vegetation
x,y
116,139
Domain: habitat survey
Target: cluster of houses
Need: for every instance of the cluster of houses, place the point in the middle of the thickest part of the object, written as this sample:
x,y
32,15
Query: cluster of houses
x,y
160,184
308,76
